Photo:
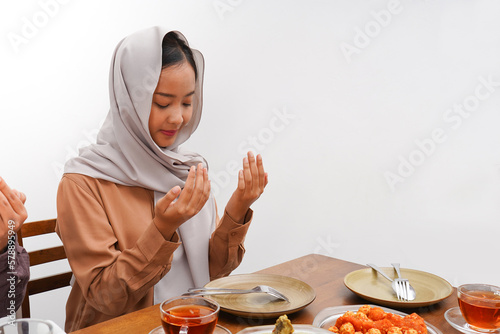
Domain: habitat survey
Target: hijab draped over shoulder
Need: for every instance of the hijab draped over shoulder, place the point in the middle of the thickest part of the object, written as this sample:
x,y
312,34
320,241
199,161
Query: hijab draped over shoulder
x,y
125,153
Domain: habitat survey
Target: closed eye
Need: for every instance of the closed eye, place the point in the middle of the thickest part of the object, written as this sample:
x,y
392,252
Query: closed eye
x,y
161,106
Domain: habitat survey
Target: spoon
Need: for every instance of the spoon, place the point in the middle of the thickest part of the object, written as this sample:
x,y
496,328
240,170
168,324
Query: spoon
x,y
409,291
394,286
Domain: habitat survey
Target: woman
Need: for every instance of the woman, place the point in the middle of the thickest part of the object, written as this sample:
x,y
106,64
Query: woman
x,y
14,260
135,212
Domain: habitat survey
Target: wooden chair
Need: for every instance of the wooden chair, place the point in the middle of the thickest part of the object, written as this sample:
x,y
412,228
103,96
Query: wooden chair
x,y
42,256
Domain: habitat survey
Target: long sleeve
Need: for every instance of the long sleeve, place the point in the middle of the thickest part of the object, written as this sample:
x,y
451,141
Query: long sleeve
x,y
114,249
14,276
226,245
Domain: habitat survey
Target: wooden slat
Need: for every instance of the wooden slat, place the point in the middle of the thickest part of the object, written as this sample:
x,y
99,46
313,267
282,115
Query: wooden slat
x,y
38,228
40,257
47,255
49,283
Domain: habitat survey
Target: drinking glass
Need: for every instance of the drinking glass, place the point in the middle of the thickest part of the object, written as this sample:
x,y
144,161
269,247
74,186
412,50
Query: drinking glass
x,y
480,306
189,315
27,326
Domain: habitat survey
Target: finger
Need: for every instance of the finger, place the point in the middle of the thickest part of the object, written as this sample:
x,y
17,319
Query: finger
x,y
20,195
15,202
164,202
253,167
198,189
241,180
7,213
262,173
205,191
247,174
187,192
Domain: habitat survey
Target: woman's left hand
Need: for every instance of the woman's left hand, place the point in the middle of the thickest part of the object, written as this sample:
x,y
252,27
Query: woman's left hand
x,y
251,183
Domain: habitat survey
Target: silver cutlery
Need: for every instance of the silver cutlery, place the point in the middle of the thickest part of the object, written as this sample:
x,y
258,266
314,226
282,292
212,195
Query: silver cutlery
x,y
395,287
406,291
221,291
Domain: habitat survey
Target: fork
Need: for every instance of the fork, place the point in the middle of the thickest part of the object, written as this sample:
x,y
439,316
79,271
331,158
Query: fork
x,y
394,286
220,291
406,291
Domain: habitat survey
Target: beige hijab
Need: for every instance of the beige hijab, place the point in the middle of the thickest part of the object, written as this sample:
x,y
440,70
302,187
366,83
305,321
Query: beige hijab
x,y
126,154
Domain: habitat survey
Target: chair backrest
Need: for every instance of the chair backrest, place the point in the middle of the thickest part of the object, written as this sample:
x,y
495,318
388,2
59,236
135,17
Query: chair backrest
x,y
42,256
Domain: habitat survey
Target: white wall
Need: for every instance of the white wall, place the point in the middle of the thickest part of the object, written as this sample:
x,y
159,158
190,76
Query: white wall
x,y
336,95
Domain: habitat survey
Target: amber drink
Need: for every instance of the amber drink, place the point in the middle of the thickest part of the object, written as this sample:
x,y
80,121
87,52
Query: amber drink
x,y
480,306
189,315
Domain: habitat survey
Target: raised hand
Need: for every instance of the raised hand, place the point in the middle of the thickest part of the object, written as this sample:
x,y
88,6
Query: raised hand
x,y
252,180
171,213
12,212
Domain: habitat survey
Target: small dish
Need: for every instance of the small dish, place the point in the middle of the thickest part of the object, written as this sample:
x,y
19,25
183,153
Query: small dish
x,y
298,329
328,316
369,285
218,330
262,305
457,321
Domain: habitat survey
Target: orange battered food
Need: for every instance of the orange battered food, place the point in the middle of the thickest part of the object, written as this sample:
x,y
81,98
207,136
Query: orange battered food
x,y
374,320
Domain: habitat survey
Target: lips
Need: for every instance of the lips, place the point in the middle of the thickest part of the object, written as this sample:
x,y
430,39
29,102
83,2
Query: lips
x,y
169,133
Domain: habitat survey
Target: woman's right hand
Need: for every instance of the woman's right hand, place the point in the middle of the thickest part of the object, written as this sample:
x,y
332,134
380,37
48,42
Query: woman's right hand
x,y
171,213
12,212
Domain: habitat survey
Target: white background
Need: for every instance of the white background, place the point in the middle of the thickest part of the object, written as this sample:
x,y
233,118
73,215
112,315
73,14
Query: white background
x,y
336,96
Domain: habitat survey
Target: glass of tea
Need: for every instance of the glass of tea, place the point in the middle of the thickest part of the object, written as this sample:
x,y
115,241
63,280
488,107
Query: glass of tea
x,y
189,315
480,306
27,326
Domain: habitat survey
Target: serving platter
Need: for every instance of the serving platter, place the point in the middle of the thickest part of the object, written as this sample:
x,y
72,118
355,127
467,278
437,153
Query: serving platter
x,y
297,329
328,316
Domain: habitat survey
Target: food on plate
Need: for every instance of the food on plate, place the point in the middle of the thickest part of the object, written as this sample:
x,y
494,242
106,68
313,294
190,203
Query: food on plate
x,y
283,325
374,320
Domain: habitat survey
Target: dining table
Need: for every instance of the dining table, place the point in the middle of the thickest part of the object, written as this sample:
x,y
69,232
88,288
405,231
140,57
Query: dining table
x,y
324,274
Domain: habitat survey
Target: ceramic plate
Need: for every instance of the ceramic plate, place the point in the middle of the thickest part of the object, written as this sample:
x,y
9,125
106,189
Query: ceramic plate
x,y
457,321
298,329
371,286
262,305
328,316
218,330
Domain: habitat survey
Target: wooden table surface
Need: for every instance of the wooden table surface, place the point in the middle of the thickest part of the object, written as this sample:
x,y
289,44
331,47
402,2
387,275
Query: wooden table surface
x,y
324,274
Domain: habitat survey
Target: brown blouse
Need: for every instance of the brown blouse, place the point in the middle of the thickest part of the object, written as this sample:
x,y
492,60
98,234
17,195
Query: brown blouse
x,y
116,252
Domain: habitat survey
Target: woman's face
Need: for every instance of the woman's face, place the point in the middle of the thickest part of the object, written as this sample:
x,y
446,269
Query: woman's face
x,y
172,103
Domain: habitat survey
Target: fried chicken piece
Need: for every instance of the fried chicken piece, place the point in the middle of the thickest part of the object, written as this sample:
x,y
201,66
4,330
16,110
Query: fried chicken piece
x,y
283,325
347,328
374,331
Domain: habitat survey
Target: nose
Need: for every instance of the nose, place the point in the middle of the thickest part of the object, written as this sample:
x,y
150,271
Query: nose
x,y
175,116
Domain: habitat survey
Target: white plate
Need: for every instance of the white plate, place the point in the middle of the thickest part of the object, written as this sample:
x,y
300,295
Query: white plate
x,y
457,321
328,316
297,329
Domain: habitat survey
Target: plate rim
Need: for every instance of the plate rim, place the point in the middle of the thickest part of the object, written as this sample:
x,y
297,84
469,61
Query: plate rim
x,y
357,306
395,302
161,327
265,314
296,327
